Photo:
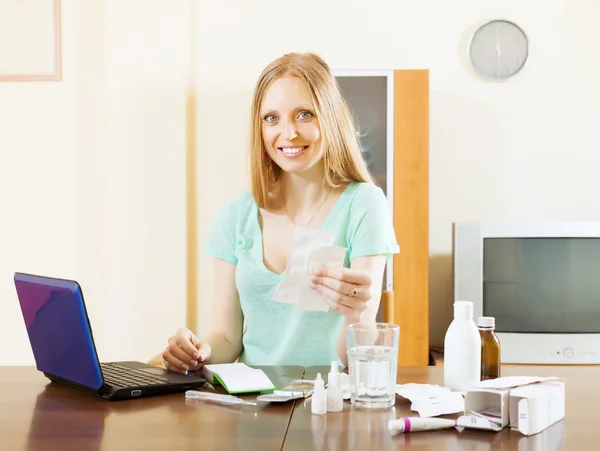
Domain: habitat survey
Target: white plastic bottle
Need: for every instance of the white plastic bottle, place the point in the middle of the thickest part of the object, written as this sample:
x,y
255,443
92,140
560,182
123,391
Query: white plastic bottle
x,y
335,400
462,349
318,402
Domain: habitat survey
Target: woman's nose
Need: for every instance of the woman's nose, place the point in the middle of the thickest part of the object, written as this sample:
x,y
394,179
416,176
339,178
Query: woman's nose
x,y
291,131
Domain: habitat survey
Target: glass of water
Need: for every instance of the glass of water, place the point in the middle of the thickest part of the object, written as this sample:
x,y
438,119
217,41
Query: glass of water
x,y
373,363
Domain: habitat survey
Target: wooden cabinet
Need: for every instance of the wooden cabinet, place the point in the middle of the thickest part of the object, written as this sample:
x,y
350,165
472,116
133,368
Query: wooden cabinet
x,y
392,113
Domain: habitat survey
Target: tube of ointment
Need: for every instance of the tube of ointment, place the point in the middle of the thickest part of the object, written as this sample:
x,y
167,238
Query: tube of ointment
x,y
415,424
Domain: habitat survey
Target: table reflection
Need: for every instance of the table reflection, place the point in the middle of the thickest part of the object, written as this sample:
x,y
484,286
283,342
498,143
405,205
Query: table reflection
x,y
350,429
64,418
66,415
361,429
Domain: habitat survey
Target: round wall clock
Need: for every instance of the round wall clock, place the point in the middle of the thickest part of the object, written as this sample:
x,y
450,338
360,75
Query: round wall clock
x,y
498,49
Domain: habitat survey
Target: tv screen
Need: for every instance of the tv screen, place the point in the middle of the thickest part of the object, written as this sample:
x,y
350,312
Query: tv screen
x,y
542,285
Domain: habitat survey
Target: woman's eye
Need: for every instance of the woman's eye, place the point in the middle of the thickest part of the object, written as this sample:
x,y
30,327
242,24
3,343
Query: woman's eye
x,y
270,118
306,115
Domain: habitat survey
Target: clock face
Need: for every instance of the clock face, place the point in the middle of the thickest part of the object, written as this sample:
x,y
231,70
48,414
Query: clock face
x,y
498,49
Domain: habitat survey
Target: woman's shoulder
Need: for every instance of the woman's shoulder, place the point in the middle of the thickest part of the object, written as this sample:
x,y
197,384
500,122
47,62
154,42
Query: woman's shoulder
x,y
240,200
239,204
365,194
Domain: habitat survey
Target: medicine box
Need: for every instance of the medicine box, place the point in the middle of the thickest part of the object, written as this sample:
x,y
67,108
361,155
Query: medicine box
x,y
486,408
536,407
528,408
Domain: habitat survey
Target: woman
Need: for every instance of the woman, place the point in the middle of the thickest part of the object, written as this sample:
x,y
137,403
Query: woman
x,y
306,171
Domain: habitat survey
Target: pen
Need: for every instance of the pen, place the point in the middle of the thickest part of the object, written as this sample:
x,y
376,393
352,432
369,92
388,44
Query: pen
x,y
217,398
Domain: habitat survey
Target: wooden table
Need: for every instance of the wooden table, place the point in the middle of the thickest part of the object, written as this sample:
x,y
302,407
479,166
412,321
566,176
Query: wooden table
x,y
38,415
358,429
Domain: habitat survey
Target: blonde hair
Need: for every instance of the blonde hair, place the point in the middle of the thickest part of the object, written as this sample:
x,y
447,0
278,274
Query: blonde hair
x,y
342,158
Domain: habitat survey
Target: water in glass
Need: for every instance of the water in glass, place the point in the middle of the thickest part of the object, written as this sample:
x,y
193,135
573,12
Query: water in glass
x,y
373,374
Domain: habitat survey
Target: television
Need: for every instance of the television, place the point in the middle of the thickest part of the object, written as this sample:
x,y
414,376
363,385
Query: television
x,y
540,280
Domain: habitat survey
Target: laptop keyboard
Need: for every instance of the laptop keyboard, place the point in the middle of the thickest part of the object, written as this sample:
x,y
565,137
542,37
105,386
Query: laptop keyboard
x,y
124,376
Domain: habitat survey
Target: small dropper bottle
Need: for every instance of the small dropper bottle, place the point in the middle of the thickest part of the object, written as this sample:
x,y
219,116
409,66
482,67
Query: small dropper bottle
x,y
490,348
318,402
335,400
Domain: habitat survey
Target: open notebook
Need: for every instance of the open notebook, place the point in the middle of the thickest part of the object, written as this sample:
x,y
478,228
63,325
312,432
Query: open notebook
x,y
237,377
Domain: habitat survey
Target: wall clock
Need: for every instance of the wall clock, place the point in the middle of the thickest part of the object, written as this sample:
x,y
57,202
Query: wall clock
x,y
498,49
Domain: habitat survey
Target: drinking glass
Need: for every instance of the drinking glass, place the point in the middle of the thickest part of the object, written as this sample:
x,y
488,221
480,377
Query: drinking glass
x,y
373,363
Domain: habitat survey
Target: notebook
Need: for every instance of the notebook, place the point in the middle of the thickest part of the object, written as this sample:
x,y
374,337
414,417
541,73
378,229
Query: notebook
x,y
237,377
62,342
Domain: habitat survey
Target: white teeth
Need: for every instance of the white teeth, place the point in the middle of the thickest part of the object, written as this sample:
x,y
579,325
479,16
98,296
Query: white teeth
x,y
291,150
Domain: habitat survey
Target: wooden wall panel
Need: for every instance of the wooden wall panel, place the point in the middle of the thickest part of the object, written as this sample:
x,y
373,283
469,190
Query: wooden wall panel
x,y
411,214
191,210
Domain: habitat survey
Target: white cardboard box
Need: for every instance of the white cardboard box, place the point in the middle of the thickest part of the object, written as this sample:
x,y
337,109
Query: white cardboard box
x,y
529,408
482,400
536,407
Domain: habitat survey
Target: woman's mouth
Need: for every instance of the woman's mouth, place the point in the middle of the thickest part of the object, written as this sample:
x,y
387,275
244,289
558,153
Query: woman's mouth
x,y
292,152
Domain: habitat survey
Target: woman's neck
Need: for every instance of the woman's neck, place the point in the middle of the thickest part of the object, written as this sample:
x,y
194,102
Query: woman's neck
x,y
303,193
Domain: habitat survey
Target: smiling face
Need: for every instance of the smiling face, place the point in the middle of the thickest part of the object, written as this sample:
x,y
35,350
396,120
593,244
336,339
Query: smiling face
x,y
294,96
289,126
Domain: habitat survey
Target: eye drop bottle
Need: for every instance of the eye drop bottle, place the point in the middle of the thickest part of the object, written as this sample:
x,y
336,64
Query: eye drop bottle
x,y
490,348
335,400
318,402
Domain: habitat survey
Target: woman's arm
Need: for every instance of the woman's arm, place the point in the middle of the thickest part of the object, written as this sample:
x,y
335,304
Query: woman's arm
x,y
374,266
224,342
225,337
354,292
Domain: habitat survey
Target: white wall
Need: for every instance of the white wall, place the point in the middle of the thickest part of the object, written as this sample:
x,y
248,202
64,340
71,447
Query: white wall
x,y
525,148
38,189
93,176
146,77
101,155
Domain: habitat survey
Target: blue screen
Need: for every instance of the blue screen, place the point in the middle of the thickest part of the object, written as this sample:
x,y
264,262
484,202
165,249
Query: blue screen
x,y
58,329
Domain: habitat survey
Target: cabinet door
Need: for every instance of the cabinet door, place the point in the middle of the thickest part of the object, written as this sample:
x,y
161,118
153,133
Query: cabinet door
x,y
392,114
369,97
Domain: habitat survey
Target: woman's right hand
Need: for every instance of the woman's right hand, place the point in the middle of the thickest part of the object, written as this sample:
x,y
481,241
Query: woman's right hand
x,y
185,352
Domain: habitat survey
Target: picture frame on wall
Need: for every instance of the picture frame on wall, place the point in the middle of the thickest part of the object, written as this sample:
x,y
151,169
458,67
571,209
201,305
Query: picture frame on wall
x,y
30,40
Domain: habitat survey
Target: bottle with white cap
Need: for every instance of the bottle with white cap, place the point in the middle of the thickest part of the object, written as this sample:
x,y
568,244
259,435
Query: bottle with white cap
x,y
490,348
462,349
335,399
318,402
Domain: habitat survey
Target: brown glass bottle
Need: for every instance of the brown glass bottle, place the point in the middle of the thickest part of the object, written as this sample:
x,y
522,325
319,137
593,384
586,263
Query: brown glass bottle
x,y
490,348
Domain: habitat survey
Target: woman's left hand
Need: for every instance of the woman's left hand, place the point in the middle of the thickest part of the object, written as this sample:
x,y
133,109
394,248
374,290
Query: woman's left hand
x,y
343,289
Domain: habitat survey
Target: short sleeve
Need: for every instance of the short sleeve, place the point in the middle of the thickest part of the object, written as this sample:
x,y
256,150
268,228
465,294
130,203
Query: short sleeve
x,y
371,231
221,241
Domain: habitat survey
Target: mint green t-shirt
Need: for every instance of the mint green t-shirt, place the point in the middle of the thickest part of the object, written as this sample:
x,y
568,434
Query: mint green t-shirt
x,y
275,333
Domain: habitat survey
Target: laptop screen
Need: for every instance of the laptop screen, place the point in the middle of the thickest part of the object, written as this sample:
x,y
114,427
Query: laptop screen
x,y
58,329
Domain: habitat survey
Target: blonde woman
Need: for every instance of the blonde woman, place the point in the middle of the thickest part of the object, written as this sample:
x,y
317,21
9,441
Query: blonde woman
x,y
306,171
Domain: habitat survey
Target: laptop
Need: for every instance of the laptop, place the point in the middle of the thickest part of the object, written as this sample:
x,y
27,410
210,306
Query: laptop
x,y
63,345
